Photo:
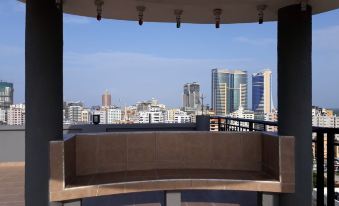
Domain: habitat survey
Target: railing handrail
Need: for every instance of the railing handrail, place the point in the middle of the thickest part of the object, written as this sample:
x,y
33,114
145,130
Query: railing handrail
x,y
228,125
272,123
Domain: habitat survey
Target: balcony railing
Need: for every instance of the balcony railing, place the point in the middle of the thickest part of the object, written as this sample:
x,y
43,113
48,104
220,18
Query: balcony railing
x,y
237,124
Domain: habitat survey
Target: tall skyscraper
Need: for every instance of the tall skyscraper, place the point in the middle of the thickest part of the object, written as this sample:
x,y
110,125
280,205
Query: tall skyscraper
x,y
229,90
191,96
262,92
106,99
6,95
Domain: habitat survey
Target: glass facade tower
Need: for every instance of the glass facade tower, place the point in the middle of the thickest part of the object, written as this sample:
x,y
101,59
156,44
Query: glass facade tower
x,y
262,92
6,95
229,91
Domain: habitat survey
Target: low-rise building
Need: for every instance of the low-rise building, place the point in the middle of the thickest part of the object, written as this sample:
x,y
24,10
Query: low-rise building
x,y
154,116
86,116
242,114
182,117
325,121
113,115
103,115
170,115
16,114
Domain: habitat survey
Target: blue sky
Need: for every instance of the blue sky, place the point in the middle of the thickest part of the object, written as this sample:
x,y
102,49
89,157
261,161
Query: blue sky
x,y
155,60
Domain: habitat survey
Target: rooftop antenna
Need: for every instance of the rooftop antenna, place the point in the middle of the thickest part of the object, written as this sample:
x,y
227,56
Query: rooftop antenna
x,y
202,103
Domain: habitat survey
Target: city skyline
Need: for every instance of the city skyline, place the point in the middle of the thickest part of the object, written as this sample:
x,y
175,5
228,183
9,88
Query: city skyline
x,y
229,89
256,79
93,64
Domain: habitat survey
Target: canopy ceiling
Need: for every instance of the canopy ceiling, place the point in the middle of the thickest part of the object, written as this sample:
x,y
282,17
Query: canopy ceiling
x,y
194,11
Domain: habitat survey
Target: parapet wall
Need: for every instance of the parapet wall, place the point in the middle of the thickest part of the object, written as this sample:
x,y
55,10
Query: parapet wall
x,y
116,152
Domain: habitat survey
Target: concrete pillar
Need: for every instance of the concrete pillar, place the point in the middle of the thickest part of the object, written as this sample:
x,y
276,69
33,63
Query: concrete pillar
x,y
44,94
295,95
203,123
173,198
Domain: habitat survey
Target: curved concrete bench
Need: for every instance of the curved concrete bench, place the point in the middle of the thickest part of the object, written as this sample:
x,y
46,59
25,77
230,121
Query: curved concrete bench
x,y
89,165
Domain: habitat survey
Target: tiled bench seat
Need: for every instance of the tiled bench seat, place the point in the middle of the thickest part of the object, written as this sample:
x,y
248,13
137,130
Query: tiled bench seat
x,y
90,165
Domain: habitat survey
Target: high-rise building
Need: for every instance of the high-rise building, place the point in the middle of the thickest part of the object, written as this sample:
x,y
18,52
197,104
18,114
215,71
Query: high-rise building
x,y
229,91
75,114
191,96
72,112
106,99
6,95
262,92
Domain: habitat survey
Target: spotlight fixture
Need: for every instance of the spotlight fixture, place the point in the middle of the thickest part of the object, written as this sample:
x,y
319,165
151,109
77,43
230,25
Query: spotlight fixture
x,y
58,4
99,4
261,9
178,14
141,10
303,5
217,13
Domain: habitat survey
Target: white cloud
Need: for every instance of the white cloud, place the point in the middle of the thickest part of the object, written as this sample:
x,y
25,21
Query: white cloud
x,y
256,42
133,60
326,38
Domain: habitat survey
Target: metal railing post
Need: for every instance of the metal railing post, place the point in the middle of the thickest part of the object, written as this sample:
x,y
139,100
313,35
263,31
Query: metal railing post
x,y
250,126
234,124
320,168
330,169
226,125
219,124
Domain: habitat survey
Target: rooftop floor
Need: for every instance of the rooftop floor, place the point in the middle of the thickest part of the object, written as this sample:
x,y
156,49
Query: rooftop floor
x,y
12,180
